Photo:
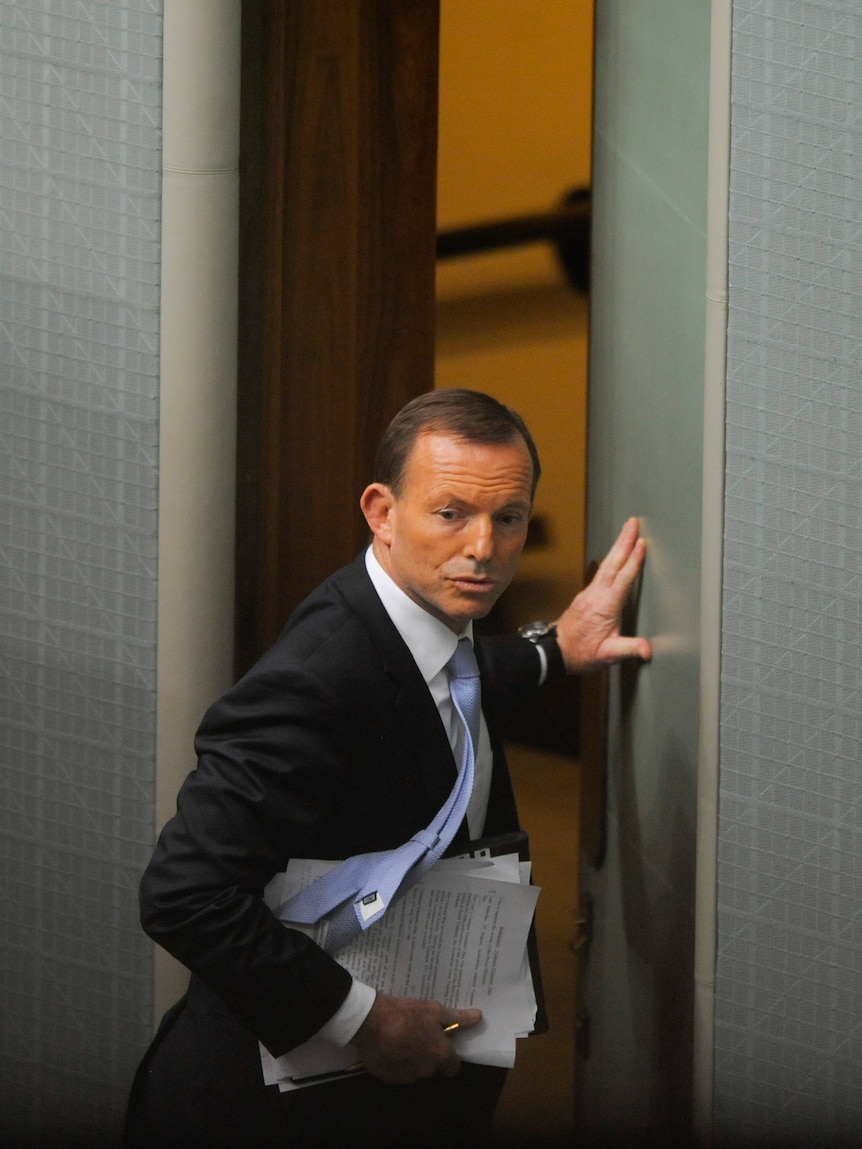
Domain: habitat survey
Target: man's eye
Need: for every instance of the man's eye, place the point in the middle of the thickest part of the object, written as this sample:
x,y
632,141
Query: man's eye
x,y
448,514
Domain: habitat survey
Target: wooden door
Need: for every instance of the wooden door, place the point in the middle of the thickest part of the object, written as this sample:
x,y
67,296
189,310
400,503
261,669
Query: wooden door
x,y
337,222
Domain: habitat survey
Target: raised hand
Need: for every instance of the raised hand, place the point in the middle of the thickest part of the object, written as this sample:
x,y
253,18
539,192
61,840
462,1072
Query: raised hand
x,y
588,631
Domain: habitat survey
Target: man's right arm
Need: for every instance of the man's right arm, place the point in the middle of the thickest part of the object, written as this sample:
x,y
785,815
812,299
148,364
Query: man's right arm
x,y
251,804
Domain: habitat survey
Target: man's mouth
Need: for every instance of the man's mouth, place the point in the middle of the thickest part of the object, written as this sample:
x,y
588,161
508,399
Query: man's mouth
x,y
473,583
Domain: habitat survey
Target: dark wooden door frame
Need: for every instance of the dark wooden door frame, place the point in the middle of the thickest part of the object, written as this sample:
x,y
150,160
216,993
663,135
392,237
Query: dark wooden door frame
x,y
337,257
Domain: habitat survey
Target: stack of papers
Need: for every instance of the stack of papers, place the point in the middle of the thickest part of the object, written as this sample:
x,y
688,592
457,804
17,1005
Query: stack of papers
x,y
458,936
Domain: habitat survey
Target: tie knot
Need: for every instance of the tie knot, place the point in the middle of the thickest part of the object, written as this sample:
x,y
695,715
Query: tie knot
x,y
463,662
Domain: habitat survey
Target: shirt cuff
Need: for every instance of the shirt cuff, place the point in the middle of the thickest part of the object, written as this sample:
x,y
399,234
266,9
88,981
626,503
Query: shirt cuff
x,y
342,1026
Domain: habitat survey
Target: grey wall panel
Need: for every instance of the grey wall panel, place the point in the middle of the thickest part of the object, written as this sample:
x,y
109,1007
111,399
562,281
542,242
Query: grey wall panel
x,y
645,458
789,976
80,160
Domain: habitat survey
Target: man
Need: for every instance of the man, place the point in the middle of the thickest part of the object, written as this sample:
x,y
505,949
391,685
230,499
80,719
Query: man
x,y
343,740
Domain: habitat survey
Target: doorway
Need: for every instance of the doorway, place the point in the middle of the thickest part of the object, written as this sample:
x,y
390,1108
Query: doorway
x,y
514,139
335,257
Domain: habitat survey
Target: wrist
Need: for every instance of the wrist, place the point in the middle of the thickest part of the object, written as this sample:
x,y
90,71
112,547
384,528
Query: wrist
x,y
543,635
343,1025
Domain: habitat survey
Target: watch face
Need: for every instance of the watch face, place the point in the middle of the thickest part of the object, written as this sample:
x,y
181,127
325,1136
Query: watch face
x,y
537,630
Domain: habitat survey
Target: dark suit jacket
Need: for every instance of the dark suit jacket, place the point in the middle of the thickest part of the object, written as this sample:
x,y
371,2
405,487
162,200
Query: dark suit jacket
x,y
330,746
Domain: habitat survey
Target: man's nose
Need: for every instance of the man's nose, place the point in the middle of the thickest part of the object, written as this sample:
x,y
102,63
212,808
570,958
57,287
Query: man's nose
x,y
480,544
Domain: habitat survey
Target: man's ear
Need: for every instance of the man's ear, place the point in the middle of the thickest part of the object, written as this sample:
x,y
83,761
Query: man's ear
x,y
378,504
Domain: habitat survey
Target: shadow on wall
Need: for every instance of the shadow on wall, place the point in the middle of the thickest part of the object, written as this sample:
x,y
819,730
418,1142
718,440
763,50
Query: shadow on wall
x,y
658,924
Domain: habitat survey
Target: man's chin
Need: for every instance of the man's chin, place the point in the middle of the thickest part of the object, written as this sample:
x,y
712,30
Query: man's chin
x,y
469,608
456,611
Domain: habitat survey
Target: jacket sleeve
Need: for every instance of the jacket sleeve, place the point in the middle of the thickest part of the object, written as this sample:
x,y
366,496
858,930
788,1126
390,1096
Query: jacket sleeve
x,y
510,665
269,771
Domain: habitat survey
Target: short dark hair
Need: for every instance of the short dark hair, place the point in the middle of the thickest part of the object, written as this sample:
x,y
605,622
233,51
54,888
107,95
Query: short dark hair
x,y
468,415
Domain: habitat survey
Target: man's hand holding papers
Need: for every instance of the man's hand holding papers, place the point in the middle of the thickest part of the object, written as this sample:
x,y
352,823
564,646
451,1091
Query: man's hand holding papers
x,y
458,937
403,1040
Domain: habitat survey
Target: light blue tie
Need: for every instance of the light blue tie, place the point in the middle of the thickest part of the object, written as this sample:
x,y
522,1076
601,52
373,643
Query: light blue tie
x,y
356,893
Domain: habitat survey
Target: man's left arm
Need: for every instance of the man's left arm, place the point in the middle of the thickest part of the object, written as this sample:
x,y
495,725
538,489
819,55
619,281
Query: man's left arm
x,y
587,632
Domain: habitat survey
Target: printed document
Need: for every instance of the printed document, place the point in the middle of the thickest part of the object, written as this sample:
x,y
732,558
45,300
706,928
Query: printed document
x,y
458,936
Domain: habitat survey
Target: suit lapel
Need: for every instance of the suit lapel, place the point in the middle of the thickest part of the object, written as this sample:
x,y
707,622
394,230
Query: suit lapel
x,y
421,728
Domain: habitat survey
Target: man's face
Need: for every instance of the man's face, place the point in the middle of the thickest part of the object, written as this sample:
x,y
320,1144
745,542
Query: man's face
x,y
452,539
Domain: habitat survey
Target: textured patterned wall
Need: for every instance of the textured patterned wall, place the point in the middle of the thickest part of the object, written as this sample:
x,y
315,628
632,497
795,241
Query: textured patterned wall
x,y
789,995
80,115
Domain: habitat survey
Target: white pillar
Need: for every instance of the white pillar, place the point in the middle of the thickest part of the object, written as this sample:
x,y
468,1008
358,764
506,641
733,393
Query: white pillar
x,y
200,199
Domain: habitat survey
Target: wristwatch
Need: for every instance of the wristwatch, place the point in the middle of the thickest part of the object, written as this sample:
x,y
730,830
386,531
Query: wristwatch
x,y
544,634
537,630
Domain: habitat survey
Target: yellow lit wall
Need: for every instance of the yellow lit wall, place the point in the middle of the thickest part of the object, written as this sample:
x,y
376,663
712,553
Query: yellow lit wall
x,y
515,109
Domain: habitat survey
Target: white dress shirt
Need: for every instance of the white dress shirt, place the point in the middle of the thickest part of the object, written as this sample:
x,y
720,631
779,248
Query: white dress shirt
x,y
432,644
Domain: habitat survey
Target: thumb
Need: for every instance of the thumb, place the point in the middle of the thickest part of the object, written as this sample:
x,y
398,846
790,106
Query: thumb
x,y
464,1018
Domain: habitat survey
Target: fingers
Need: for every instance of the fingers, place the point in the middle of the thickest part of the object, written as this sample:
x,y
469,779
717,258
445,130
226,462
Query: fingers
x,y
618,571
455,1020
621,567
588,631
619,649
451,1063
461,1019
625,558
403,1039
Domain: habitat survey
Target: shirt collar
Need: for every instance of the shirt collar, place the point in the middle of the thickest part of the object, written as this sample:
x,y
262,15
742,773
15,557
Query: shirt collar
x,y
429,640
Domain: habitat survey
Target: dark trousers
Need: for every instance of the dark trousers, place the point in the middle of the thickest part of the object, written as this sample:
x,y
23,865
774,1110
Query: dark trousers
x,y
200,1084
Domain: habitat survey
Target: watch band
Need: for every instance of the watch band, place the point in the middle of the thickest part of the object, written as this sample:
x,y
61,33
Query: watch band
x,y
556,665
544,634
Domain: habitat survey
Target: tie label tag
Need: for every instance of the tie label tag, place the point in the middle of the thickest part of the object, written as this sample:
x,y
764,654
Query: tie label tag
x,y
370,905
